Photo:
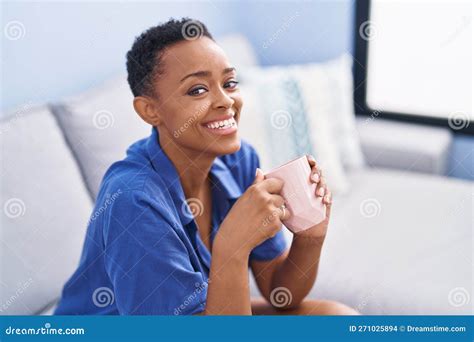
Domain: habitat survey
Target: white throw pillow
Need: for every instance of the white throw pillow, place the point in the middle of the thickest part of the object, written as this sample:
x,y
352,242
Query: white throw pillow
x,y
45,208
337,74
288,112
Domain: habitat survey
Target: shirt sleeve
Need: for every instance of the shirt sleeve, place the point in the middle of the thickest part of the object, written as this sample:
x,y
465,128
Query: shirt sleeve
x,y
147,262
275,246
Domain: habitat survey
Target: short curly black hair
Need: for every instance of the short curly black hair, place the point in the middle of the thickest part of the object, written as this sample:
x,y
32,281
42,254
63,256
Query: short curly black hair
x,y
143,59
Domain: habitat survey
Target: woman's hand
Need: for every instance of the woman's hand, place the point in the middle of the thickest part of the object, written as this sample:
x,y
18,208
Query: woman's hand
x,y
297,271
255,217
319,230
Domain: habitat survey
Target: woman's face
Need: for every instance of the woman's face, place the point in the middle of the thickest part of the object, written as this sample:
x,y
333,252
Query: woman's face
x,y
198,86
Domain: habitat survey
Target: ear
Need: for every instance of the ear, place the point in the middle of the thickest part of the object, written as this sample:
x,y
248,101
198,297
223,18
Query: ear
x,y
147,109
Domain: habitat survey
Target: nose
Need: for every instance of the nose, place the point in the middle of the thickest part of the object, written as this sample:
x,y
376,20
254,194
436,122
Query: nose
x,y
222,100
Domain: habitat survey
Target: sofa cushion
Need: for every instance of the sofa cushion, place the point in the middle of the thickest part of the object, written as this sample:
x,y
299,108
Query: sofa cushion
x,y
396,145
45,210
100,125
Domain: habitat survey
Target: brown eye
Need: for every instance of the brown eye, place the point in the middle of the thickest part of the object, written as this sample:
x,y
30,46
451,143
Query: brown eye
x,y
231,84
197,91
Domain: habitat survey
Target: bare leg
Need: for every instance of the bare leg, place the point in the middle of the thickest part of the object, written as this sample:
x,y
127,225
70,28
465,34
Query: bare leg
x,y
308,307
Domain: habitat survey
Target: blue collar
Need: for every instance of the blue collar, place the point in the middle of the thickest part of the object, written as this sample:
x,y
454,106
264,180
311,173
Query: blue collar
x,y
225,181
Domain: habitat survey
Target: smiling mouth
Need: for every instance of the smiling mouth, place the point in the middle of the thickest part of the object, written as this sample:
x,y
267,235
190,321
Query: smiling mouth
x,y
222,127
224,124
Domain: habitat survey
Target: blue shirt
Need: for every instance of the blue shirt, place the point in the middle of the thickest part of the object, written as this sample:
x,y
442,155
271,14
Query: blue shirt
x,y
142,252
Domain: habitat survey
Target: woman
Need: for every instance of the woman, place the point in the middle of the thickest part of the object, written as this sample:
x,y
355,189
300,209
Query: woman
x,y
178,222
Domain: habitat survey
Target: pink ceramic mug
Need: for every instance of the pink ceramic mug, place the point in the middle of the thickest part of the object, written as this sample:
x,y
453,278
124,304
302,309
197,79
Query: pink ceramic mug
x,y
299,193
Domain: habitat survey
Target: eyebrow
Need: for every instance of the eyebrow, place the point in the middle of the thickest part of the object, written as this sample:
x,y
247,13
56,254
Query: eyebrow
x,y
205,73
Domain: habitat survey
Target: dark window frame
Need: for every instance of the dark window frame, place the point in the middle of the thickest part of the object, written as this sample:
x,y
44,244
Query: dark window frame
x,y
362,14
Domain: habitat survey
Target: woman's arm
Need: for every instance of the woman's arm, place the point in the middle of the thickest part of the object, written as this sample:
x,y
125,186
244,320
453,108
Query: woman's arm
x,y
228,290
299,270
296,271
240,232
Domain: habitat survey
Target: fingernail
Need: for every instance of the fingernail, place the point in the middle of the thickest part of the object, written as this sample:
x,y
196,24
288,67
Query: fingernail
x,y
321,192
327,199
315,177
256,171
311,157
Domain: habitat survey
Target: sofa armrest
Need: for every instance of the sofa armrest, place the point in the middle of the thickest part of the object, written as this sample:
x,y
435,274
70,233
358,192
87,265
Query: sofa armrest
x,y
404,146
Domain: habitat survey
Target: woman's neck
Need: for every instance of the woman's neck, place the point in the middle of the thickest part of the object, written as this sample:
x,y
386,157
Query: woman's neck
x,y
192,166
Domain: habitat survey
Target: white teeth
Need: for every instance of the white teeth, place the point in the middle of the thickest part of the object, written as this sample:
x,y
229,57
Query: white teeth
x,y
223,124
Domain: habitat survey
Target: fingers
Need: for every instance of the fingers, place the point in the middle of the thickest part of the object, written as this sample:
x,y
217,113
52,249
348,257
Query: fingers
x,y
327,199
284,213
316,174
311,160
259,177
277,213
277,200
321,188
328,205
271,185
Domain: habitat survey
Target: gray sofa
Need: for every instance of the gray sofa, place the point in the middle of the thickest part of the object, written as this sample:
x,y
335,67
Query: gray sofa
x,y
400,241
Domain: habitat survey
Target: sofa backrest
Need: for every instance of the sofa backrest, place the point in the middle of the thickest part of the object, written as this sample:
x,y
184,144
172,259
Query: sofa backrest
x,y
45,208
